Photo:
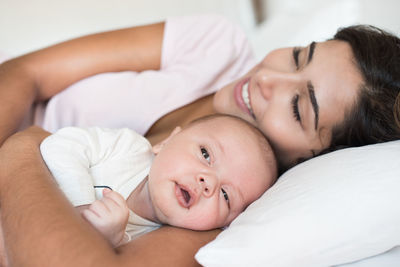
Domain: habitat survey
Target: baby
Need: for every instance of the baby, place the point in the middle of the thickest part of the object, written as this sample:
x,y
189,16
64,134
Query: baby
x,y
201,177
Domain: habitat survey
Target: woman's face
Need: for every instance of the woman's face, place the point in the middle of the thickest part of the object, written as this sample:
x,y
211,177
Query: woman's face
x,y
296,96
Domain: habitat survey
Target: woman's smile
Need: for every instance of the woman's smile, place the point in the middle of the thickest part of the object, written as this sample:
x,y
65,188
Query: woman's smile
x,y
242,96
246,98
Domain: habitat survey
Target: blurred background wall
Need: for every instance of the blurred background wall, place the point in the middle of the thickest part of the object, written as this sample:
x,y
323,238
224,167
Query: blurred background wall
x,y
26,25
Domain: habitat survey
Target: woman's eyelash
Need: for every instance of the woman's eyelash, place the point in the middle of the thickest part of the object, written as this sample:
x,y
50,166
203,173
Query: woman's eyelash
x,y
296,52
225,196
295,107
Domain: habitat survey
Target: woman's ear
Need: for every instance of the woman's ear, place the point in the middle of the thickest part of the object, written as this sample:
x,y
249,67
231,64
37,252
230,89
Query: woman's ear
x,y
158,147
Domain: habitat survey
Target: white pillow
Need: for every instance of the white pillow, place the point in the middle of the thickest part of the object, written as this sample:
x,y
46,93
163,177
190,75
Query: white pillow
x,y
390,258
337,208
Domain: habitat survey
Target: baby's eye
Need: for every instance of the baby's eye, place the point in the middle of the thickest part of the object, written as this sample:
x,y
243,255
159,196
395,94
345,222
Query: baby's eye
x,y
205,154
225,195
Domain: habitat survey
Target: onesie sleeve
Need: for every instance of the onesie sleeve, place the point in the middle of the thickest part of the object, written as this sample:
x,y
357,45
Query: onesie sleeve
x,y
68,154
71,153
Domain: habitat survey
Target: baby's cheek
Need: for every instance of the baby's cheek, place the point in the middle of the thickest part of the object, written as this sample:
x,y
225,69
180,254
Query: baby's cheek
x,y
232,216
203,220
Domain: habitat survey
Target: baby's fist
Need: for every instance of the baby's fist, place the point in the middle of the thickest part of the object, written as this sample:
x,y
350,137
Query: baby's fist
x,y
109,216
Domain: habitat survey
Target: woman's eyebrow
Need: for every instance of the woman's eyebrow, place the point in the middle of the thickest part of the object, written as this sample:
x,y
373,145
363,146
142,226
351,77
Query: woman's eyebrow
x,y
311,52
310,86
314,103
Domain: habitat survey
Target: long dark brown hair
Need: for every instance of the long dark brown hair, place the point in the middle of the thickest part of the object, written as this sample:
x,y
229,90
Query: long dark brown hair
x,y
375,117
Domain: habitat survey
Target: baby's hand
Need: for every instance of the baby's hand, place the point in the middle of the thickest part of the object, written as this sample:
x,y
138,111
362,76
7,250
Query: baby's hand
x,y
109,215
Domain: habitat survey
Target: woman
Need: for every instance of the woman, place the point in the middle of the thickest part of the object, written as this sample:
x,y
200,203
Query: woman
x,y
343,92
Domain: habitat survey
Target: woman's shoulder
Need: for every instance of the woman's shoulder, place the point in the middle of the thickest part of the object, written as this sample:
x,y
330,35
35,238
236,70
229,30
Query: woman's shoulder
x,y
204,25
205,37
201,19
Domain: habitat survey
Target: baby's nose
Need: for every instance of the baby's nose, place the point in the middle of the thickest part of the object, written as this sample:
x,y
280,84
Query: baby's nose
x,y
208,185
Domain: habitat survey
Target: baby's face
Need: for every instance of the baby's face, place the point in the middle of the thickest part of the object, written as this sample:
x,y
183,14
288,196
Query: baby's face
x,y
205,175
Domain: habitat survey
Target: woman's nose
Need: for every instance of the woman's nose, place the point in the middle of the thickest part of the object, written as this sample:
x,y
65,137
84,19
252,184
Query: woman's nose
x,y
208,184
270,81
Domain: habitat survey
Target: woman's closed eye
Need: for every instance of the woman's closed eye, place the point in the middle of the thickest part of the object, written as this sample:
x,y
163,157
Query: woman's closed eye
x,y
226,197
295,108
205,154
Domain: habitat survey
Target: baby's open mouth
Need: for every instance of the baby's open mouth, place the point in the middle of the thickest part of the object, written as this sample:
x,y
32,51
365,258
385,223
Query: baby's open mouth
x,y
186,195
183,196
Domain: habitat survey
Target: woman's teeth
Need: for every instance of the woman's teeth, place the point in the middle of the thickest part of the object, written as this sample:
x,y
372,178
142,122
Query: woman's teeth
x,y
246,99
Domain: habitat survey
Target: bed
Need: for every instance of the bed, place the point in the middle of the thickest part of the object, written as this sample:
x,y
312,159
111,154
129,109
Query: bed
x,y
337,209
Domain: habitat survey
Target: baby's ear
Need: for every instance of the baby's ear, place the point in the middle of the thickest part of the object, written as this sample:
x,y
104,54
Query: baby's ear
x,y
158,147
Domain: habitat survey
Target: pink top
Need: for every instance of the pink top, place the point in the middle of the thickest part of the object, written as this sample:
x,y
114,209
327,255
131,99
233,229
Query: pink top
x,y
200,54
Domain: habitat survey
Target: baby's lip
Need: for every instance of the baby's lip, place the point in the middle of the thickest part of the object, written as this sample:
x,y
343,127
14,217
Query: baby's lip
x,y
184,195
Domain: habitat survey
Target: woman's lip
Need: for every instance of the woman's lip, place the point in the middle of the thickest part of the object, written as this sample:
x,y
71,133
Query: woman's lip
x,y
181,198
238,95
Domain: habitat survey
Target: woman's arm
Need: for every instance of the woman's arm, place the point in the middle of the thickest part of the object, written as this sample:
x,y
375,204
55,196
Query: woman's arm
x,y
40,75
167,246
41,228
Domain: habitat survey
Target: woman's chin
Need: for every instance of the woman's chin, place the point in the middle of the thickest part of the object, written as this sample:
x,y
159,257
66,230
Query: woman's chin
x,y
223,102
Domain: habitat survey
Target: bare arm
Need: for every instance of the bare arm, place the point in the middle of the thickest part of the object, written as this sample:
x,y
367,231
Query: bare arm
x,y
167,246
53,234
40,75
